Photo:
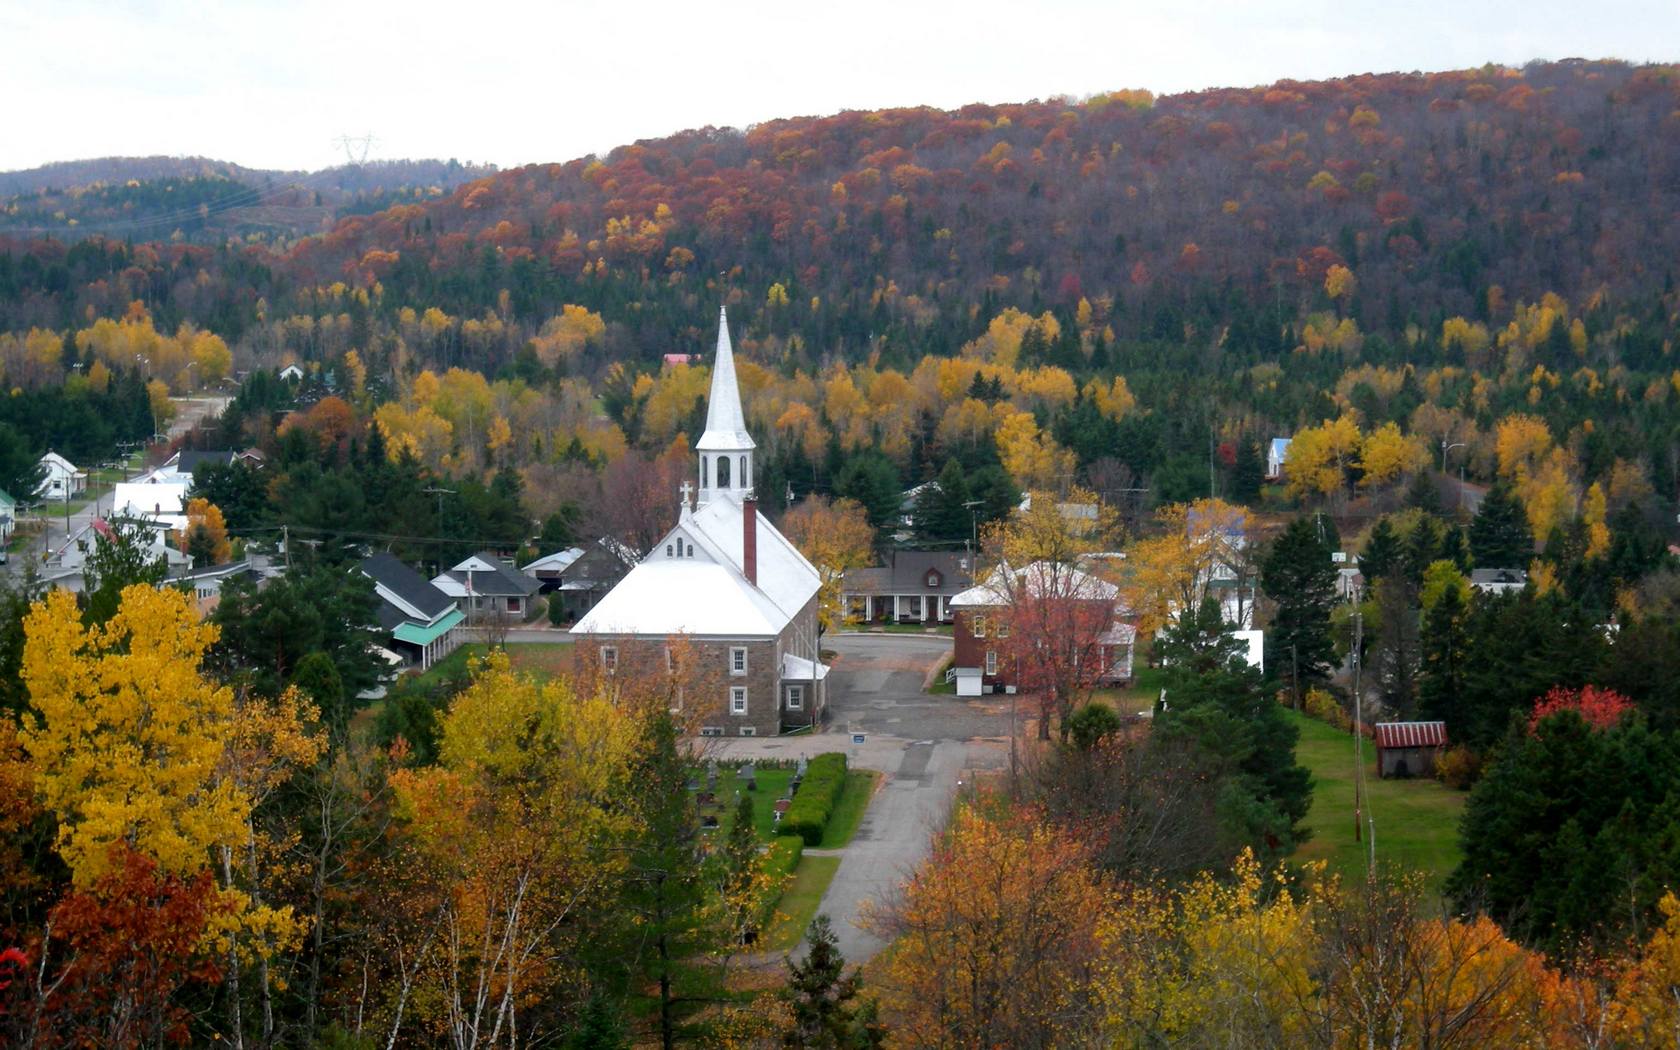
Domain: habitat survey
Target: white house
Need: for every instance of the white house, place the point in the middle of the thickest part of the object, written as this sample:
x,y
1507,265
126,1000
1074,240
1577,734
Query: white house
x,y
1276,453
729,583
159,495
1498,581
63,479
8,517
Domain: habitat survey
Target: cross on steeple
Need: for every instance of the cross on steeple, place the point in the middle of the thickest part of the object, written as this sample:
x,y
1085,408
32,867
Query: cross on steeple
x,y
687,491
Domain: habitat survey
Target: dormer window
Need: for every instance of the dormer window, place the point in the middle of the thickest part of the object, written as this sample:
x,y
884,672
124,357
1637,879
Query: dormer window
x,y
933,578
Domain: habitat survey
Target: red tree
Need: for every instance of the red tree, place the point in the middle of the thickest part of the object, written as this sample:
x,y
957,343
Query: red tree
x,y
116,954
1601,708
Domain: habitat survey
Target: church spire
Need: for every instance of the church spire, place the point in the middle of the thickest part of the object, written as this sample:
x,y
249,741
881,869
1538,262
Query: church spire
x,y
725,448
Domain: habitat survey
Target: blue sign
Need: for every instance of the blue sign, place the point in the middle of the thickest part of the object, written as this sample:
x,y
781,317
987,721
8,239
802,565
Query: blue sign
x,y
857,738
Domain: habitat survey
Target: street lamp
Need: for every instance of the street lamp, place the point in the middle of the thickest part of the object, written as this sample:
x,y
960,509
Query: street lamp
x,y
1445,448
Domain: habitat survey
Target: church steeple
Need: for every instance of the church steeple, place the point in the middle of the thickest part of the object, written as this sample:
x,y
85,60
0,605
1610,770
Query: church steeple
x,y
726,449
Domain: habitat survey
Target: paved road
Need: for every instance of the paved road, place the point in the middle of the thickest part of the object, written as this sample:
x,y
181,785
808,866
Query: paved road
x,y
924,745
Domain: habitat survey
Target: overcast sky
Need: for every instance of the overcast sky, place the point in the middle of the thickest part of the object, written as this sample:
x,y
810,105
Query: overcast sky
x,y
274,84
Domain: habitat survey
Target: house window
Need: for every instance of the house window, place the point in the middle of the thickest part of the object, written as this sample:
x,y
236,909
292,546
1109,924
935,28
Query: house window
x,y
609,657
738,700
749,730
670,661
1003,629
991,661
977,626
738,660
513,605
796,698
711,730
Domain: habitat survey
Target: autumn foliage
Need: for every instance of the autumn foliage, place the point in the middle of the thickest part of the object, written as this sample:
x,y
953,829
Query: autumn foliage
x,y
1599,708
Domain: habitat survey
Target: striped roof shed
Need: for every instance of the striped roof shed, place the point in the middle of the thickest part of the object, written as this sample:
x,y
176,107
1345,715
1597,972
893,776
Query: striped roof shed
x,y
1410,734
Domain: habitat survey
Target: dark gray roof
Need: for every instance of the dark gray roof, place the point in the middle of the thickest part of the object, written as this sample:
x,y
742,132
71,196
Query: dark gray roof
x,y
499,581
407,584
910,569
907,574
190,461
1498,576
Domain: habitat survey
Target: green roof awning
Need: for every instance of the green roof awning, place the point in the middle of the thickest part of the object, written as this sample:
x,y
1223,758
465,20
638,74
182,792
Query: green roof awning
x,y
414,634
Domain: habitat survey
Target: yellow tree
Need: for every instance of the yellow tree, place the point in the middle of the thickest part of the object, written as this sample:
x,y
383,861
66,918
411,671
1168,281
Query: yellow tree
x,y
995,937
834,536
1031,457
130,736
1170,570
515,828
205,539
1318,458
1386,456
1523,443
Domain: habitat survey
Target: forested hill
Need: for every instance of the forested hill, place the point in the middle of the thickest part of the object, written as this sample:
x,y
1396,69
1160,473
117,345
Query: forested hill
x,y
196,198
1208,219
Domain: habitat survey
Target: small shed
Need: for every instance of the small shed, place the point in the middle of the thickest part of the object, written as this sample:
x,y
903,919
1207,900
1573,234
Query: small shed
x,y
1409,749
969,681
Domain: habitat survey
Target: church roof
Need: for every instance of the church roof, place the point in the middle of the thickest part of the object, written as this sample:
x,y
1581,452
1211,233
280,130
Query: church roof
x,y
708,594
726,424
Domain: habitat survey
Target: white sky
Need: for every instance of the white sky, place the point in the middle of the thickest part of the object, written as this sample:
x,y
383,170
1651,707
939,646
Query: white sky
x,y
273,84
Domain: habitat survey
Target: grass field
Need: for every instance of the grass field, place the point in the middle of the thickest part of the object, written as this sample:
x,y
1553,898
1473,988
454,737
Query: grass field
x,y
1139,697
1416,820
798,905
542,659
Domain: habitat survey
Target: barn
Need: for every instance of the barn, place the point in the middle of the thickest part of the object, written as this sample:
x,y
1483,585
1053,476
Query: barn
x,y
1409,749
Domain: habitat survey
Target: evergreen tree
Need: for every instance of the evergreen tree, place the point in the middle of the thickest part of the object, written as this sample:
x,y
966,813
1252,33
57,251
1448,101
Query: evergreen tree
x,y
942,514
599,1027
1442,644
1220,704
1499,534
120,559
1300,577
664,885
823,998
20,466
872,480
1381,556
1247,474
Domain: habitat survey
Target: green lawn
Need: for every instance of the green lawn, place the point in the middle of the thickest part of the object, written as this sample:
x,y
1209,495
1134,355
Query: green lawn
x,y
772,785
1137,698
1416,820
848,812
543,660
799,902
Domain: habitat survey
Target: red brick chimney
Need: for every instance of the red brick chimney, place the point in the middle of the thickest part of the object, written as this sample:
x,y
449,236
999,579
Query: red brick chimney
x,y
749,538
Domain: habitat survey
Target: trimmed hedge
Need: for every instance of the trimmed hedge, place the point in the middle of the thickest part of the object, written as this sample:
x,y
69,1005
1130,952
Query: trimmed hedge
x,y
813,803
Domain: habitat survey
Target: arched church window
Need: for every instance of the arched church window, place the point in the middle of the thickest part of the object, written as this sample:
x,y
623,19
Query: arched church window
x,y
746,483
723,472
703,483
667,550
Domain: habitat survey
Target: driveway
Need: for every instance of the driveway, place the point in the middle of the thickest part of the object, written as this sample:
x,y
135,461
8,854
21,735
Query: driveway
x,y
925,747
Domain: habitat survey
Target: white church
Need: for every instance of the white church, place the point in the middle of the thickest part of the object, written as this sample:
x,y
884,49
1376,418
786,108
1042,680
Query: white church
x,y
725,579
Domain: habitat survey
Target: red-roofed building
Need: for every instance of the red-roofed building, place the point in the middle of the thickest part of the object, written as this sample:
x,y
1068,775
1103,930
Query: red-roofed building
x,y
1409,749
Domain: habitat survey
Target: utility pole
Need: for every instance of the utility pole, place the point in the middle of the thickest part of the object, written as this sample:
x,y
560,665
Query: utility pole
x,y
440,492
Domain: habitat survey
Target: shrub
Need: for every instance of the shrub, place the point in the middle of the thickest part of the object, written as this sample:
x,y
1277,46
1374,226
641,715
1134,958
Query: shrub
x,y
1458,768
1321,705
813,803
556,611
